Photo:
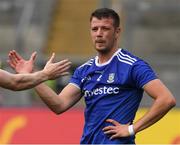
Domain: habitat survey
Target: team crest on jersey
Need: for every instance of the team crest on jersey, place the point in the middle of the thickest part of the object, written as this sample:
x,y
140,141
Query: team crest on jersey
x,y
111,78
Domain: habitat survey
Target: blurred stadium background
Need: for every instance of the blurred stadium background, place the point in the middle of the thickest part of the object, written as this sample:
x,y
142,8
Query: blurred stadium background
x,y
150,29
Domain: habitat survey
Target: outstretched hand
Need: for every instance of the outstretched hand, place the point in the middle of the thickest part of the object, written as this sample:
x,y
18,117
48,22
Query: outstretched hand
x,y
51,70
116,130
55,70
19,64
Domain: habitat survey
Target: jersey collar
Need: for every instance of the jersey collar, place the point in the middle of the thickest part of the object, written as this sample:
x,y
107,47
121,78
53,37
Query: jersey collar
x,y
103,64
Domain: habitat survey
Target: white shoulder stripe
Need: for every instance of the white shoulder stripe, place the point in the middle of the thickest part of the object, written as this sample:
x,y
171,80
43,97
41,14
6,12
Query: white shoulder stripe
x,y
127,62
90,62
127,56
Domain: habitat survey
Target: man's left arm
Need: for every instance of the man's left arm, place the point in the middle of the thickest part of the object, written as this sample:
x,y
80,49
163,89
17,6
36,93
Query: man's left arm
x,y
163,102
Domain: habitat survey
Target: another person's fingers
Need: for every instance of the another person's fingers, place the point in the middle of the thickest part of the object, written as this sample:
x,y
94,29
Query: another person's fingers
x,y
12,59
11,64
17,55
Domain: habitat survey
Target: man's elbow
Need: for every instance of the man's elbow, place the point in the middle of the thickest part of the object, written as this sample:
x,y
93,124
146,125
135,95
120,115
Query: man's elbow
x,y
170,102
173,102
57,111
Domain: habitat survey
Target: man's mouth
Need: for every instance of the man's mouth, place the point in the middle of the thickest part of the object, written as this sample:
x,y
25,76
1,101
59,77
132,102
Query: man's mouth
x,y
100,41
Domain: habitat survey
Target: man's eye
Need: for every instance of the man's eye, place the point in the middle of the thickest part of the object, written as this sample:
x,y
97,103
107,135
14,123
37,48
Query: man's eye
x,y
105,28
94,29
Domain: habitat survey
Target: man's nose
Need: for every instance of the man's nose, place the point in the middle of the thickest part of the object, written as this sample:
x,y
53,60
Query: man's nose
x,y
99,32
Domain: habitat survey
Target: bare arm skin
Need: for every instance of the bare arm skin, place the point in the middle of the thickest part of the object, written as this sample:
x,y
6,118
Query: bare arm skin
x,y
57,103
27,80
69,96
18,82
163,102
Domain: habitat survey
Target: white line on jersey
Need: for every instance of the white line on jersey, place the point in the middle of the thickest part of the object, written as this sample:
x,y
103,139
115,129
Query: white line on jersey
x,y
126,55
89,62
124,60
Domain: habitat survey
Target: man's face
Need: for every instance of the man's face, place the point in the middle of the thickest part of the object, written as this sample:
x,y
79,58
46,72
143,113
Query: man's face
x,y
103,33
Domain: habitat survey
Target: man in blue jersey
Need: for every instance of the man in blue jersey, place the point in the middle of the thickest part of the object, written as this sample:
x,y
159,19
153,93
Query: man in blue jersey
x,y
112,84
25,80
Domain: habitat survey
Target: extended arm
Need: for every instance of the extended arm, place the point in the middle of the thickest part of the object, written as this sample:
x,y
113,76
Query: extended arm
x,y
57,103
21,81
27,80
69,96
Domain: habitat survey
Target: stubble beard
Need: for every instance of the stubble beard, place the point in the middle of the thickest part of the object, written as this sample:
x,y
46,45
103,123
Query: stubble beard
x,y
104,50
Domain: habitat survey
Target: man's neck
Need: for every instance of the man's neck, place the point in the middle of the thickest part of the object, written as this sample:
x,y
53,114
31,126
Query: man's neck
x,y
104,57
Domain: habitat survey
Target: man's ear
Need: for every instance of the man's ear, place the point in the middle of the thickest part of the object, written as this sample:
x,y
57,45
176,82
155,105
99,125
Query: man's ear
x,y
118,31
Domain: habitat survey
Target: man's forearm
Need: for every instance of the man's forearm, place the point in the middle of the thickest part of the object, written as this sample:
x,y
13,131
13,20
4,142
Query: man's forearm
x,y
21,81
25,81
156,112
49,97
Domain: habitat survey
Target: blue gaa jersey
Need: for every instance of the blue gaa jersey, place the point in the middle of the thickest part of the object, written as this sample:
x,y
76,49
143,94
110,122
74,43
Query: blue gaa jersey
x,y
112,90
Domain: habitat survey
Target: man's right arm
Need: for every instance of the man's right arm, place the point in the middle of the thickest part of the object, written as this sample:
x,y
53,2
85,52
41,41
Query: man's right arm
x,y
57,103
69,96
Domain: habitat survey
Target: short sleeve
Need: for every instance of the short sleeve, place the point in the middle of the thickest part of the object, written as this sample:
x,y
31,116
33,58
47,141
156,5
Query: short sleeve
x,y
76,78
142,73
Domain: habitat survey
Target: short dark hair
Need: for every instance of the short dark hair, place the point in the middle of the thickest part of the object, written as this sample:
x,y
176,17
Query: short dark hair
x,y
106,13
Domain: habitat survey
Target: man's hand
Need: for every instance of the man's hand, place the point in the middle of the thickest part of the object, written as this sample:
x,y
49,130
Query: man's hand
x,y
116,130
54,70
19,64
51,70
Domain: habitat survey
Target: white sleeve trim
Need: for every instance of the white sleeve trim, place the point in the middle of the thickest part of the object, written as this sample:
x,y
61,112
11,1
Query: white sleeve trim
x,y
75,85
